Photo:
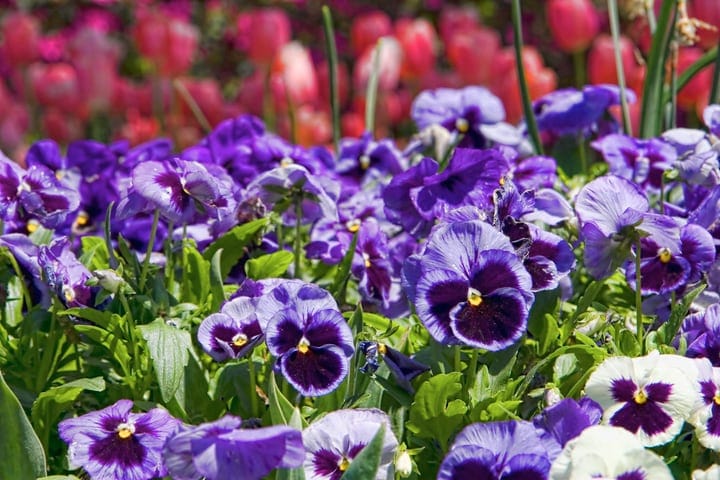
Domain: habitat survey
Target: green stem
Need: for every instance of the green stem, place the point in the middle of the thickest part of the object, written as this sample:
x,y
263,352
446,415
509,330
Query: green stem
x,y
579,67
639,327
268,115
298,238
651,109
471,373
49,351
650,15
672,104
331,50
524,90
253,387
151,245
456,358
615,30
371,92
130,325
193,105
582,152
715,89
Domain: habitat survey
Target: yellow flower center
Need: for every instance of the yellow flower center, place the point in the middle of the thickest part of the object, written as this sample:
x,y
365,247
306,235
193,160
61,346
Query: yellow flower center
x,y
382,348
353,225
82,219
239,340
640,397
125,430
474,297
286,162
364,162
502,181
68,293
716,399
462,125
344,464
303,345
32,226
665,255
366,257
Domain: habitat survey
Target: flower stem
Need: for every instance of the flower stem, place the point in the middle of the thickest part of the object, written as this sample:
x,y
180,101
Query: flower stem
x,y
136,370
639,328
253,386
372,87
715,89
615,30
579,66
471,373
331,50
671,117
456,358
522,79
150,246
298,238
582,153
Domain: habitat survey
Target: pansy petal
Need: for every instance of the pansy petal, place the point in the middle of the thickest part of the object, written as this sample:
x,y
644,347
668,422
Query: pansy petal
x,y
316,372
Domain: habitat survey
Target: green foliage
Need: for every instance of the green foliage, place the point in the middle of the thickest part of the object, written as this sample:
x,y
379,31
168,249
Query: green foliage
x,y
271,265
437,412
367,462
169,350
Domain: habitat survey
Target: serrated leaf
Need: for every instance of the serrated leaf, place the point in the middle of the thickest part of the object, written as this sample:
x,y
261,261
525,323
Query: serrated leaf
x,y
22,453
169,351
367,462
51,403
233,244
95,254
271,265
436,413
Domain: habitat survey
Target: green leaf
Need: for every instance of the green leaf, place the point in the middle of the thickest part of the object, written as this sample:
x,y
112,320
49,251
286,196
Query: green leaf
x,y
51,403
591,293
169,350
342,275
103,319
60,477
216,281
542,323
22,453
436,412
296,421
233,244
95,254
367,462
281,410
112,342
666,333
196,276
269,266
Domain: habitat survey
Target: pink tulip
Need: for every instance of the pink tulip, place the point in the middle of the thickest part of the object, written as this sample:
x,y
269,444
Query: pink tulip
x,y
263,32
56,85
389,66
294,77
698,89
170,43
471,52
21,37
418,41
601,63
457,19
709,12
95,57
573,23
367,28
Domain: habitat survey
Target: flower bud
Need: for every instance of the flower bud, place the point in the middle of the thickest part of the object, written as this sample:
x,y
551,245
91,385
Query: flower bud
x,y
263,32
367,28
403,464
417,39
21,38
573,23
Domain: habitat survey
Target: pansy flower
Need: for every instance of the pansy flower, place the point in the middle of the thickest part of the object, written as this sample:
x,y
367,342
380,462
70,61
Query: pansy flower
x,y
471,111
402,367
469,287
702,333
115,443
65,274
308,335
641,161
566,420
608,452
232,332
356,156
222,450
333,441
498,450
706,418
711,473
650,396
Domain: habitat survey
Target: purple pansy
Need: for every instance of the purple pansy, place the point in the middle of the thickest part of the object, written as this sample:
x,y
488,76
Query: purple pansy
x,y
308,335
333,441
293,185
180,189
371,263
402,367
34,193
469,286
497,450
569,110
232,332
222,450
567,419
641,161
26,254
472,111
702,334
711,117
65,274
602,451
357,156
650,396
115,443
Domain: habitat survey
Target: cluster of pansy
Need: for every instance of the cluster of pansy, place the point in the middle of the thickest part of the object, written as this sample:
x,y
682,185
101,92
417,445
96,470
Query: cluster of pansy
x,y
116,443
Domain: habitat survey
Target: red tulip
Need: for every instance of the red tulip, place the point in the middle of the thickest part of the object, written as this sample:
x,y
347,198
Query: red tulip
x,y
63,127
262,33
418,42
95,58
367,28
601,63
698,89
573,23
56,85
457,19
21,38
471,53
206,93
312,127
169,42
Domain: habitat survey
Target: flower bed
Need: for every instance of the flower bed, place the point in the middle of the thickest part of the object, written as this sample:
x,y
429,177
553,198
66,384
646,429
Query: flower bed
x,y
481,298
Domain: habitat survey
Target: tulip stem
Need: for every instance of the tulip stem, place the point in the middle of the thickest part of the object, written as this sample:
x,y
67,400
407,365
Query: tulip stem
x,y
372,87
193,105
331,49
671,119
298,237
639,328
650,14
715,89
579,66
615,30
522,79
582,153
150,247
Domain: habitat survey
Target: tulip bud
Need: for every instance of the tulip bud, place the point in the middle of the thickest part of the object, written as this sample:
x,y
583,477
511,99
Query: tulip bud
x,y
21,38
573,23
473,65
264,31
367,28
601,63
698,88
417,39
389,66
293,76
457,19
